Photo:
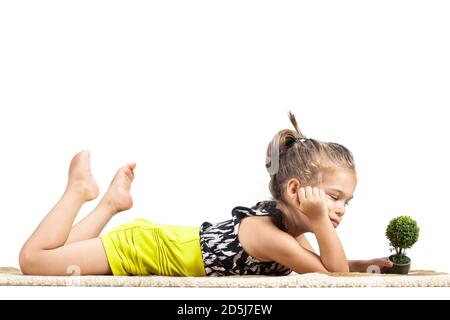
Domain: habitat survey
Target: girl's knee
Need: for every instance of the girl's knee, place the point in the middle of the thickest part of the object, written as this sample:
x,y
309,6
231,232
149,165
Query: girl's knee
x,y
26,261
29,261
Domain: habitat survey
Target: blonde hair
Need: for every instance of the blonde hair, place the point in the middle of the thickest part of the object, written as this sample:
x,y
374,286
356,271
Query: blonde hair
x,y
291,155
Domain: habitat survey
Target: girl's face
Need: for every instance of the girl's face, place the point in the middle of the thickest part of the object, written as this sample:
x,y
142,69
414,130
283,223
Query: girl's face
x,y
339,185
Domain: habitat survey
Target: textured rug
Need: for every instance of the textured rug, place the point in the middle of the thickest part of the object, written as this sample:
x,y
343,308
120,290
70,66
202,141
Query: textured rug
x,y
418,278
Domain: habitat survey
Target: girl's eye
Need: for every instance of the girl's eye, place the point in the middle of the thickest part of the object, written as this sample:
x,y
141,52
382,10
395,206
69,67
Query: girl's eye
x,y
337,198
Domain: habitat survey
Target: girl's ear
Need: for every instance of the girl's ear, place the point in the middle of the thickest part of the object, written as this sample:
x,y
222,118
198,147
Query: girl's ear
x,y
293,187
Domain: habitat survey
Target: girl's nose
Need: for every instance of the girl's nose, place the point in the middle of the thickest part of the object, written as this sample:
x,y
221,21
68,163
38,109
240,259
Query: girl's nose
x,y
340,212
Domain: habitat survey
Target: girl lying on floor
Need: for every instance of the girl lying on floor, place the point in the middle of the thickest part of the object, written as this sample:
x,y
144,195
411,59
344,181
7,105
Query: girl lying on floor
x,y
311,184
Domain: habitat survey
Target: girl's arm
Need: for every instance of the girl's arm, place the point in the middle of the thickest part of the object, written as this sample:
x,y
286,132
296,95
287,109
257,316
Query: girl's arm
x,y
272,244
377,265
356,266
313,204
363,266
331,251
353,265
305,243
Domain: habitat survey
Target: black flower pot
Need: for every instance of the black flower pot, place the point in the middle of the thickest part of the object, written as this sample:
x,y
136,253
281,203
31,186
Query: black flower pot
x,y
399,268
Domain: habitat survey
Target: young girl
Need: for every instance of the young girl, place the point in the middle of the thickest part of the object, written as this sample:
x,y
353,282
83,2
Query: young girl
x,y
311,183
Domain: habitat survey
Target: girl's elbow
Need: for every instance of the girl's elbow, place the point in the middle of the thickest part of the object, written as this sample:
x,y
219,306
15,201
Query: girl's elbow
x,y
335,266
339,268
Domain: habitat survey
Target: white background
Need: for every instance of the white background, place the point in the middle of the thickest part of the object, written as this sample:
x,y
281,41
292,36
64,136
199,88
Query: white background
x,y
193,91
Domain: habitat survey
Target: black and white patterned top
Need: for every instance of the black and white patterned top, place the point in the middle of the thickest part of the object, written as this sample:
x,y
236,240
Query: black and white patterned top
x,y
223,254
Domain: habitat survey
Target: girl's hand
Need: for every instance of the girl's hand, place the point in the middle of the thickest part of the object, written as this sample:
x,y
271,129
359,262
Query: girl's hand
x,y
377,265
313,203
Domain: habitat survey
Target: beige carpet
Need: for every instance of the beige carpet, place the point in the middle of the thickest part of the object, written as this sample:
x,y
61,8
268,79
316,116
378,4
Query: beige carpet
x,y
13,277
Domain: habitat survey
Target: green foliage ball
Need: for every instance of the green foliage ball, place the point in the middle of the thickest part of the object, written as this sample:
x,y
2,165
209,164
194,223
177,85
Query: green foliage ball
x,y
402,232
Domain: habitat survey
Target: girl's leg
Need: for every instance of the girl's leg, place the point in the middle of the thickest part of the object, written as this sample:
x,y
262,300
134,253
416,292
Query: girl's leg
x,y
116,199
42,253
79,258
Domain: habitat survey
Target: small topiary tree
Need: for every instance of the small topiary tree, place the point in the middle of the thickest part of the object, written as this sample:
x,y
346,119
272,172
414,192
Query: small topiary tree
x,y
402,233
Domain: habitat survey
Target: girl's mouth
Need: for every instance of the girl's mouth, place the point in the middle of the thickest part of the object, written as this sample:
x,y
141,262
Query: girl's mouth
x,y
335,223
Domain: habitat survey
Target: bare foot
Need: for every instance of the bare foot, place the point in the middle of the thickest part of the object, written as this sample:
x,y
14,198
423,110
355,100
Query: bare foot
x,y
118,195
80,177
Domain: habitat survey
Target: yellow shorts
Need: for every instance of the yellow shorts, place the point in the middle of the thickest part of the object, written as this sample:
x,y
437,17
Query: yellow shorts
x,y
144,248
